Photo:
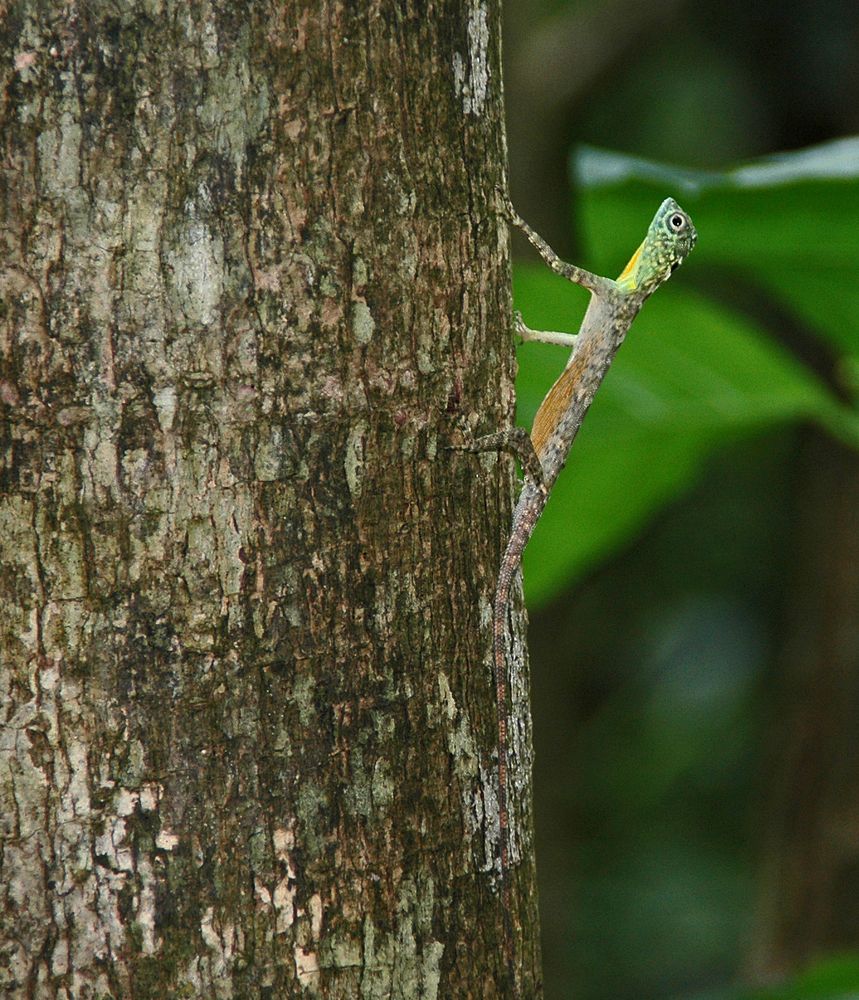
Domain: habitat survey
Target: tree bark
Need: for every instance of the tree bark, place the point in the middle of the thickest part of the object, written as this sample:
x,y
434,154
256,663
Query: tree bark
x,y
809,877
252,274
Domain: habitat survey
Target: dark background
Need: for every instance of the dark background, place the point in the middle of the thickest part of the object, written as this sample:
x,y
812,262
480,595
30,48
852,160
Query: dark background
x,y
695,693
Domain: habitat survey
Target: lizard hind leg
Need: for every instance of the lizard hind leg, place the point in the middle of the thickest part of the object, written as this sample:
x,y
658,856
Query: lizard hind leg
x,y
517,441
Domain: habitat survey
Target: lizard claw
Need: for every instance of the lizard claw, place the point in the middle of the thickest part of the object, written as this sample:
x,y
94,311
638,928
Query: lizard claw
x,y
506,205
519,324
463,438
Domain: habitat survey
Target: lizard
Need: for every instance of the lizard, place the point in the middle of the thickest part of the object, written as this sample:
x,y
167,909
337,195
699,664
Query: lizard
x,y
613,306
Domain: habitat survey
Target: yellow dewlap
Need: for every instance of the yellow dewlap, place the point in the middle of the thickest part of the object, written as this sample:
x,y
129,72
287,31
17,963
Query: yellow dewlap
x,y
627,277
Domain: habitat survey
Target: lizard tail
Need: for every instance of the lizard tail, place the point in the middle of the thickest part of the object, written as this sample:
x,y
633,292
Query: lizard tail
x,y
528,510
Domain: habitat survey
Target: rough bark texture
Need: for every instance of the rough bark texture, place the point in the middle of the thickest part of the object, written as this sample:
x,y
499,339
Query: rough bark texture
x,y
251,273
810,877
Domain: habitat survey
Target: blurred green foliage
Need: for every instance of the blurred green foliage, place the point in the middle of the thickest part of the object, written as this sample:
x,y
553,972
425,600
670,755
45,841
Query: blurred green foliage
x,y
669,581
835,978
695,373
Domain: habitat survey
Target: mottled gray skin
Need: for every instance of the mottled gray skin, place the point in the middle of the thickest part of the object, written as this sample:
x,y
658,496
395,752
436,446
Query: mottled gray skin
x,y
608,318
613,307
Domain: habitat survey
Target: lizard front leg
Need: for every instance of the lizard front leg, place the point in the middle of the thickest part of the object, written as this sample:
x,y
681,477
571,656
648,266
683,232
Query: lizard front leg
x,y
578,275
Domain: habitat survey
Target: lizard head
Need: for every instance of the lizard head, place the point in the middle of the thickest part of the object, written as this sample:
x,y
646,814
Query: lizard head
x,y
668,243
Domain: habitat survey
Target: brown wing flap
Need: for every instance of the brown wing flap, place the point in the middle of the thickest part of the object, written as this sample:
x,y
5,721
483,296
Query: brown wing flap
x,y
557,402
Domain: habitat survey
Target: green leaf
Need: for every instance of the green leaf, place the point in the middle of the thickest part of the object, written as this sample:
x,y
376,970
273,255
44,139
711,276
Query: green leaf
x,y
833,978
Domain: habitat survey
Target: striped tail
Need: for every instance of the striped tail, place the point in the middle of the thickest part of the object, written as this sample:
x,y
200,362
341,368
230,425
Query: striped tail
x,y
528,510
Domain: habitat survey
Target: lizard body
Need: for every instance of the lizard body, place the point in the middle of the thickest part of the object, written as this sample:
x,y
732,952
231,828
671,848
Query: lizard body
x,y
613,307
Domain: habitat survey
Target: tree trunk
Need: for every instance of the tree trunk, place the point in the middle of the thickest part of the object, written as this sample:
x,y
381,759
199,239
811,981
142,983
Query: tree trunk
x,y
809,882
252,274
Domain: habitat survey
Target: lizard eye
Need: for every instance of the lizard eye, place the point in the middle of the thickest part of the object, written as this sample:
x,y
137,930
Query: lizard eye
x,y
677,222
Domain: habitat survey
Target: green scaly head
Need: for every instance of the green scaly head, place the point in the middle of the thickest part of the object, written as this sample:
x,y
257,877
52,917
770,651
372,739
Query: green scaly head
x,y
668,243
